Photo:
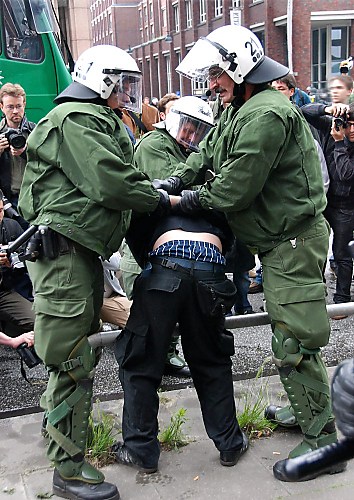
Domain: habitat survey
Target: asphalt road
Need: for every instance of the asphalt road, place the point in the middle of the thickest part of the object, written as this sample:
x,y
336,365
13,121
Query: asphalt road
x,y
252,348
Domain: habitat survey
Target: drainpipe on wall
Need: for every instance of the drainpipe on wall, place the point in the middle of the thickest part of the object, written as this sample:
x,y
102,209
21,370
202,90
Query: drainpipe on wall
x,y
289,33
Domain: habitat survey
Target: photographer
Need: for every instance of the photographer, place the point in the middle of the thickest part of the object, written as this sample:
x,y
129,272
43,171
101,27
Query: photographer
x,y
16,315
340,202
342,217
14,130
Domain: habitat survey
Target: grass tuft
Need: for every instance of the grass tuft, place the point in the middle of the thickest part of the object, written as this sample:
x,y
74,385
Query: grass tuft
x,y
100,438
173,437
254,401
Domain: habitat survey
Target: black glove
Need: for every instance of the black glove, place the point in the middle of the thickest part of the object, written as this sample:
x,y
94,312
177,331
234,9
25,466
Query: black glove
x,y
164,205
172,185
189,202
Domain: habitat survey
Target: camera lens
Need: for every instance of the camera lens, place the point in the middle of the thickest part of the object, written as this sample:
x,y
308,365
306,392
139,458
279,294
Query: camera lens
x,y
16,139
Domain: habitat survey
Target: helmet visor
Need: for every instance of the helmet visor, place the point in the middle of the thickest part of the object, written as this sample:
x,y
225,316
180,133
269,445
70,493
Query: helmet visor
x,y
199,59
191,131
128,90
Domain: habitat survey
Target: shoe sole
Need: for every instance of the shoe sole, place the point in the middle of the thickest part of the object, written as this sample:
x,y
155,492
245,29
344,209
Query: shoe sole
x,y
59,492
147,471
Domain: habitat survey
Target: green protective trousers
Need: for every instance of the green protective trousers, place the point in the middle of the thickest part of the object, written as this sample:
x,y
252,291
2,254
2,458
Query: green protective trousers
x,y
68,299
295,300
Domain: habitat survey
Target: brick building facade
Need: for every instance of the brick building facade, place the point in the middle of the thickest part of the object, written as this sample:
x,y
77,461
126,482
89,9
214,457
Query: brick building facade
x,y
310,36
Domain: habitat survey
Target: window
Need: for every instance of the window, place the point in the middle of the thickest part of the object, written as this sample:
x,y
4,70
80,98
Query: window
x,y
260,34
202,11
330,46
164,18
168,73
176,17
179,59
199,88
218,8
21,42
188,13
236,4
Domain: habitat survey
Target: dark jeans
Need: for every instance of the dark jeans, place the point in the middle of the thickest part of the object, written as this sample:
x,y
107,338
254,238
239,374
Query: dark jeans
x,y
16,314
341,221
162,298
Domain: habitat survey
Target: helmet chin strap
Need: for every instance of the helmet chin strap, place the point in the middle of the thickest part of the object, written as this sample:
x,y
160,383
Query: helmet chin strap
x,y
239,94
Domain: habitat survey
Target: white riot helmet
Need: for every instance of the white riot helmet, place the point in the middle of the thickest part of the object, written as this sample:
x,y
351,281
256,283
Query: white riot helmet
x,y
237,51
188,121
104,69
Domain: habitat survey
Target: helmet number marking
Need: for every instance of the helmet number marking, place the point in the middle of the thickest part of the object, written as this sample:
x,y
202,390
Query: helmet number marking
x,y
255,51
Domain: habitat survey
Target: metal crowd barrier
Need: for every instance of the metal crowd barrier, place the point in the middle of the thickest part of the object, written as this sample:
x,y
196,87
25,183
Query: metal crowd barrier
x,y
101,339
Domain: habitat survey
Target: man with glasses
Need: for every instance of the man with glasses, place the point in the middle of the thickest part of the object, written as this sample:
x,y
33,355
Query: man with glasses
x,y
12,158
342,218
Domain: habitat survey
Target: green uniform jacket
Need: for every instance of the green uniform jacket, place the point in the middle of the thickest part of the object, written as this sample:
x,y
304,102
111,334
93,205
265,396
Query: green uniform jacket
x,y
79,179
158,154
268,174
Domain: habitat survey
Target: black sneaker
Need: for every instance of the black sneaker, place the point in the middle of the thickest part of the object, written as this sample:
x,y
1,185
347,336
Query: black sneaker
x,y
80,490
123,456
230,458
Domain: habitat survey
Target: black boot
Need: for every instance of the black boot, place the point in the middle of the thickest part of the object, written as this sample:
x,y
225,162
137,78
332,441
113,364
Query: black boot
x,y
80,490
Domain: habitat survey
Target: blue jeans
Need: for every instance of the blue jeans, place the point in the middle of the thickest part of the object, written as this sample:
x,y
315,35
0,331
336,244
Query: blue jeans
x,y
341,221
242,283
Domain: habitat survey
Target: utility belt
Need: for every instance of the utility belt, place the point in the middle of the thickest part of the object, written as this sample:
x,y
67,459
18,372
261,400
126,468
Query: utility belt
x,y
48,244
193,268
41,242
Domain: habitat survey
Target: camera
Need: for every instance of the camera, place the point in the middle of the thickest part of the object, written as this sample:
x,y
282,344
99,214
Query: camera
x,y
15,138
28,355
340,121
13,257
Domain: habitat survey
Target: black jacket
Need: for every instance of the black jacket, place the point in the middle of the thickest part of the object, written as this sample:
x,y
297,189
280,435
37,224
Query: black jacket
x,y
25,128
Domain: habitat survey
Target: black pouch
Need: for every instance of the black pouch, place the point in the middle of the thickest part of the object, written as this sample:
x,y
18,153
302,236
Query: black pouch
x,y
215,295
50,242
214,298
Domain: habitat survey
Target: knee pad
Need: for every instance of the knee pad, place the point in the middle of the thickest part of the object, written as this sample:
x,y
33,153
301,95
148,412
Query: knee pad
x,y
305,384
285,347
